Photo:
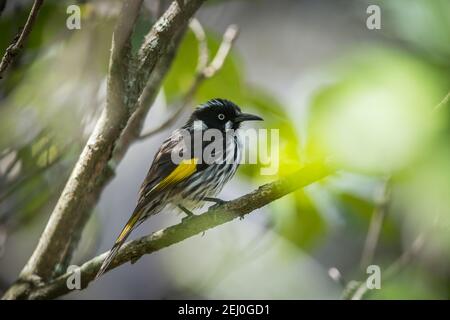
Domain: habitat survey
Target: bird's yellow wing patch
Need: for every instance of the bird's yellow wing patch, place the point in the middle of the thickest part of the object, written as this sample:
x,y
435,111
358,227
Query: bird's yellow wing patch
x,y
184,170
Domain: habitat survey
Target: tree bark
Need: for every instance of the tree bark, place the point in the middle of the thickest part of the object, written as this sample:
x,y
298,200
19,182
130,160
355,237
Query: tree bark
x,y
214,217
96,164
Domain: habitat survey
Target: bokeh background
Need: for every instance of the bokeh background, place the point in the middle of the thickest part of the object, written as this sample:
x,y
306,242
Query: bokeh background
x,y
367,99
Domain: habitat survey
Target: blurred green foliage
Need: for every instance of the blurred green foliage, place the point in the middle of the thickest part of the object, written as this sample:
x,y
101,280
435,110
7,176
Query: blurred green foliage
x,y
425,25
377,117
50,90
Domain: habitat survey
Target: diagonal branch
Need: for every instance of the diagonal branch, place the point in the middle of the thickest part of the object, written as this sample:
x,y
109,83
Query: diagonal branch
x,y
228,39
376,223
442,103
203,51
143,95
17,44
216,216
204,70
136,121
72,208
355,290
158,39
93,169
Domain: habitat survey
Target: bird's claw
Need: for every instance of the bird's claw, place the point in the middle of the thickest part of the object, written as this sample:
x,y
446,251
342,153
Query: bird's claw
x,y
217,205
220,202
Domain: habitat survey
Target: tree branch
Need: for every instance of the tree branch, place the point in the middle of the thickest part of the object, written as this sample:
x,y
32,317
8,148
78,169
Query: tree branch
x,y
203,51
134,126
17,44
229,37
376,223
442,103
149,92
82,189
93,169
214,217
204,71
157,40
356,290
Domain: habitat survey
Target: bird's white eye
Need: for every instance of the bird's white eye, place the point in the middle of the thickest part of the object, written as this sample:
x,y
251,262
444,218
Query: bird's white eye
x,y
221,116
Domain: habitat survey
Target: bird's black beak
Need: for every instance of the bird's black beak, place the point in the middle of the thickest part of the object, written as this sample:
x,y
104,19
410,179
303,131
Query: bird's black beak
x,y
247,117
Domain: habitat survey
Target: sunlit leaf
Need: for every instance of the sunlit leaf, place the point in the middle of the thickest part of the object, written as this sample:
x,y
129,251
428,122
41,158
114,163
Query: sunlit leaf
x,y
377,116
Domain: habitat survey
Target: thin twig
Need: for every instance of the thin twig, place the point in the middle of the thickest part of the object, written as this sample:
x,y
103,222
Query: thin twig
x,y
394,269
203,51
204,71
166,124
406,257
202,62
380,211
227,42
29,176
356,290
17,44
376,223
442,103
11,165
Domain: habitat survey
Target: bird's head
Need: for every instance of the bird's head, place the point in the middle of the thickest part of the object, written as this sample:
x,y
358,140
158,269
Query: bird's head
x,y
221,114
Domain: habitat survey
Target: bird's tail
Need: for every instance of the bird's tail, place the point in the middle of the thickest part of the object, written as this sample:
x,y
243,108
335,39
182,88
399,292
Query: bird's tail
x,y
131,224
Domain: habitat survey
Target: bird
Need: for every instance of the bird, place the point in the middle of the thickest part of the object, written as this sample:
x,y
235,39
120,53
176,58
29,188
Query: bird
x,y
189,183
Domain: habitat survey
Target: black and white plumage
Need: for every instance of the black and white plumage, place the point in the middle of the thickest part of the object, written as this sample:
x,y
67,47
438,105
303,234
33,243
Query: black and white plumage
x,y
187,183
